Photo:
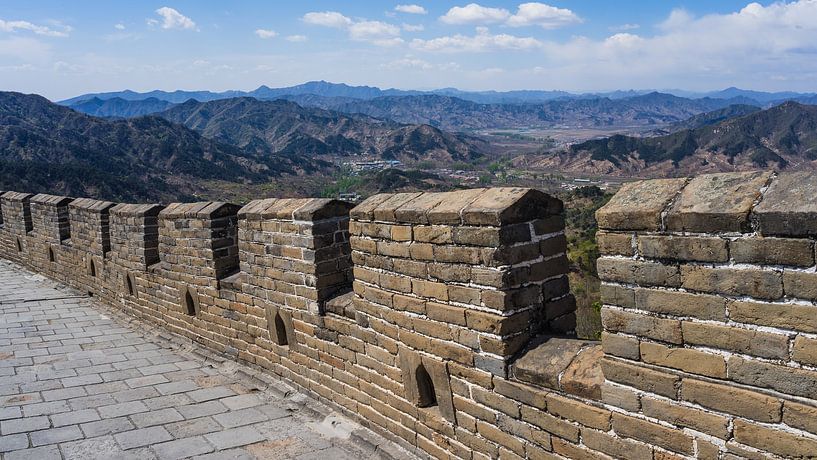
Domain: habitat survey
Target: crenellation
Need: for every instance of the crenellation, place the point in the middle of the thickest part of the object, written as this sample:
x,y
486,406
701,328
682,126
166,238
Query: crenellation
x,y
446,321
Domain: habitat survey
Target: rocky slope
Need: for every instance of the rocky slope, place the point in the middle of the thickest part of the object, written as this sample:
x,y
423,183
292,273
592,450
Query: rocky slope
x,y
782,137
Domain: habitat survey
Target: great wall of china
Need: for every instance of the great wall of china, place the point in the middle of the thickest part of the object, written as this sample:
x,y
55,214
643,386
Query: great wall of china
x,y
444,320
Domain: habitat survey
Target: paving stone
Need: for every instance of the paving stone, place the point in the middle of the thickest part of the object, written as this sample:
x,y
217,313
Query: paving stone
x,y
202,409
182,448
180,386
231,454
142,437
109,426
207,394
39,453
125,408
242,401
74,417
55,435
241,417
13,442
159,417
66,393
10,412
24,424
195,427
234,437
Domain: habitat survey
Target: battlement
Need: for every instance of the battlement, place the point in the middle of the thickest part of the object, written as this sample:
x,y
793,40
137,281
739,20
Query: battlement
x,y
445,321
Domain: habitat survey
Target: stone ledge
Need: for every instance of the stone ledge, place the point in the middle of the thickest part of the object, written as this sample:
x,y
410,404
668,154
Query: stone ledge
x,y
137,210
564,364
202,209
53,200
481,207
88,204
307,209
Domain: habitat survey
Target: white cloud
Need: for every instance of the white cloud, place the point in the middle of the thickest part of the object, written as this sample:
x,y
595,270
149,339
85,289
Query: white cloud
x,y
408,63
527,14
14,26
375,32
119,26
624,27
475,14
295,38
481,42
265,33
413,27
372,30
172,19
745,47
327,19
540,14
410,9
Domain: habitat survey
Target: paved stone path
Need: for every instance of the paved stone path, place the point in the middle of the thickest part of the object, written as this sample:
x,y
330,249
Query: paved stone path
x,y
79,380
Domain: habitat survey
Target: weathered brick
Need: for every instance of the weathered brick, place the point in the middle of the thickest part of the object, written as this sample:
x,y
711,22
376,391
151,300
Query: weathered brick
x,y
620,345
665,330
773,251
685,359
747,341
615,447
773,440
638,272
645,379
783,315
693,248
617,295
681,303
659,435
800,416
761,284
791,381
615,243
732,400
800,284
688,417
805,350
579,411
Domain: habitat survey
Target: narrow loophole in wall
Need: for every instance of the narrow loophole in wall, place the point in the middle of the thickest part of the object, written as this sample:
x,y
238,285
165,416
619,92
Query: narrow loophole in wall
x,y
129,284
189,304
425,388
19,245
92,267
280,330
51,255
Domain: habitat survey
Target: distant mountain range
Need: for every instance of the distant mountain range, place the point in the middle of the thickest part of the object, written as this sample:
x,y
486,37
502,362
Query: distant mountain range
x,y
169,155
327,89
451,113
45,147
782,137
284,128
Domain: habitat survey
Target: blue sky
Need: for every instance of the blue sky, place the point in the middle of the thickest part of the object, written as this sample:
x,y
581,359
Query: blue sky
x,y
60,49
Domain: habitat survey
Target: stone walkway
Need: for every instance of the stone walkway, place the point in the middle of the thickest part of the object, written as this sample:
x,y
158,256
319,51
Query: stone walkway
x,y
79,380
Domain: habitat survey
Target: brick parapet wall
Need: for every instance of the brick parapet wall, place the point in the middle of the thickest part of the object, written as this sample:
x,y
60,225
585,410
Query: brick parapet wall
x,y
456,339
709,313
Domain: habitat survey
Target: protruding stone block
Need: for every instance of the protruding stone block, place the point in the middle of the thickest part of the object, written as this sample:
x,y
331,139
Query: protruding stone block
x,y
638,205
717,202
789,206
